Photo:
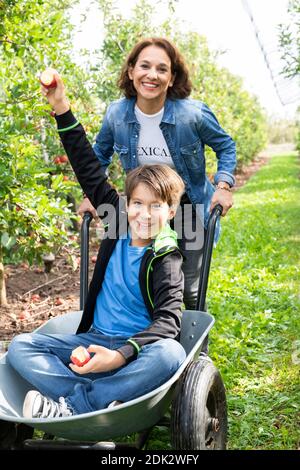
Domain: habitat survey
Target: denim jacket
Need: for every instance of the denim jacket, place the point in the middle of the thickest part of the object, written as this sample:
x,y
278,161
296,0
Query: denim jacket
x,y
187,125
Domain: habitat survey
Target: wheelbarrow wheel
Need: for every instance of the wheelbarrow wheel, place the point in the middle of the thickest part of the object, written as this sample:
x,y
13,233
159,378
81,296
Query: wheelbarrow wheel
x,y
199,412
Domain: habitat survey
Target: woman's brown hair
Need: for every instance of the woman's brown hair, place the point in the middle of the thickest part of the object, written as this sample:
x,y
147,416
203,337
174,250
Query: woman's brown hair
x,y
182,86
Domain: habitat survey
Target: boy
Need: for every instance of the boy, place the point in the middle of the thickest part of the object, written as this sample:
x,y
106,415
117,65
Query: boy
x,y
133,310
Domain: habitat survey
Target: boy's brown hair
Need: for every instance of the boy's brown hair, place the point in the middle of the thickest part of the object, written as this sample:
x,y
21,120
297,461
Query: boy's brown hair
x,y
182,85
161,179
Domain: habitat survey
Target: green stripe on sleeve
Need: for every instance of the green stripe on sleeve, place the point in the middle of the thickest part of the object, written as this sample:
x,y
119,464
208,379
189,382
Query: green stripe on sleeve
x,y
68,128
134,344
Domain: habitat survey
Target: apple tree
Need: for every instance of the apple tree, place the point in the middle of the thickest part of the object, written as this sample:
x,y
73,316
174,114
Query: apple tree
x,y
35,214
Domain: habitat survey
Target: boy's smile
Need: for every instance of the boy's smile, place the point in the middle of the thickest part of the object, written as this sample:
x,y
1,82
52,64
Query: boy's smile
x,y
147,214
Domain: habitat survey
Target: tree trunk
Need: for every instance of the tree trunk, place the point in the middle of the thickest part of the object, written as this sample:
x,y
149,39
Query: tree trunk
x,y
3,300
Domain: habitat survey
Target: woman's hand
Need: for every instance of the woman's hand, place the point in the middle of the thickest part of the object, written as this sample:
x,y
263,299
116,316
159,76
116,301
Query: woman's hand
x,y
223,197
87,206
103,360
56,96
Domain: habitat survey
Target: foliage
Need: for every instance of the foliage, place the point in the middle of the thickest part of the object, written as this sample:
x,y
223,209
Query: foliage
x,y
281,131
289,40
35,212
237,111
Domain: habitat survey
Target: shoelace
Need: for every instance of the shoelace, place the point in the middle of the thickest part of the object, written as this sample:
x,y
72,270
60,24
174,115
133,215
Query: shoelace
x,y
64,407
52,409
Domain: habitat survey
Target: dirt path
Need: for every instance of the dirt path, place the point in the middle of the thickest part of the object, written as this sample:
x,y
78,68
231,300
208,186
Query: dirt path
x,y
35,296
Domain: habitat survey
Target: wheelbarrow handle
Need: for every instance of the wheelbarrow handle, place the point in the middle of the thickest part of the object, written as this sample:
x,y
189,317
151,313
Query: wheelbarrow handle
x,y
206,259
84,257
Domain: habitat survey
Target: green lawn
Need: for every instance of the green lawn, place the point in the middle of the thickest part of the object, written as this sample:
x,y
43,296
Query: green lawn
x,y
254,297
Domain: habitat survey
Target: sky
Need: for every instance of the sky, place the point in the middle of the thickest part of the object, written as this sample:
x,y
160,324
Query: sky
x,y
227,27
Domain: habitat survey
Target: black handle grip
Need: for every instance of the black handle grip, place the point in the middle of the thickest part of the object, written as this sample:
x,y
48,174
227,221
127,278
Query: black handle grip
x,y
84,257
206,259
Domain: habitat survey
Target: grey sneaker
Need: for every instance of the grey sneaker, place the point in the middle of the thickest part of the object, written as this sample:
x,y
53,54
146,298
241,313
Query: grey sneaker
x,y
115,403
37,405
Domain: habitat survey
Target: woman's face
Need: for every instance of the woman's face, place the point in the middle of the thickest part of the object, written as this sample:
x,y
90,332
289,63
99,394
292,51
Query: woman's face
x,y
152,75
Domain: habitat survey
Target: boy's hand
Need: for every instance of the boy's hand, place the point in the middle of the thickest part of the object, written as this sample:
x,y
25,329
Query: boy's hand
x,y
56,96
103,360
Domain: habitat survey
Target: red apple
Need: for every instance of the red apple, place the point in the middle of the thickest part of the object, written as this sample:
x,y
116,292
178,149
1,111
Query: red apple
x,y
35,298
80,356
25,315
58,301
94,259
64,159
57,160
47,79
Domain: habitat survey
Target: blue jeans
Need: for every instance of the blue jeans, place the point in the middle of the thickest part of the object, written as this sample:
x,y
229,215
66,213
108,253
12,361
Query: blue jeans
x,y
43,361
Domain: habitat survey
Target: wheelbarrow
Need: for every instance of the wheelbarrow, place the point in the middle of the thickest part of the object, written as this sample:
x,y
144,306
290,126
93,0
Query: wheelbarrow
x,y
192,403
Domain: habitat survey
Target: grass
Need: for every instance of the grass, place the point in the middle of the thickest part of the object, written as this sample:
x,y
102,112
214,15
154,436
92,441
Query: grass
x,y
254,296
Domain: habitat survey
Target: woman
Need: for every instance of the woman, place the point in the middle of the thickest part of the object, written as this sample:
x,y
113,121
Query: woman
x,y
156,122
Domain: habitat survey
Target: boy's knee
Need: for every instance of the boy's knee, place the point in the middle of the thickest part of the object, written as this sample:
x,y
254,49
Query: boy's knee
x,y
172,352
17,345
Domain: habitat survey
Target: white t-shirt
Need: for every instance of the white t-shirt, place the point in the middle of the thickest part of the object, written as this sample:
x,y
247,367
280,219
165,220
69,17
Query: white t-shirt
x,y
152,147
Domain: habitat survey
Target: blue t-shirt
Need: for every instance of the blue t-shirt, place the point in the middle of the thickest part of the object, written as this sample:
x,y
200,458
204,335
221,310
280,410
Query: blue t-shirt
x,y
120,309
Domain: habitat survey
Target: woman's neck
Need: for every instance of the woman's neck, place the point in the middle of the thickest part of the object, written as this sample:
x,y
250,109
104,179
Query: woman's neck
x,y
150,106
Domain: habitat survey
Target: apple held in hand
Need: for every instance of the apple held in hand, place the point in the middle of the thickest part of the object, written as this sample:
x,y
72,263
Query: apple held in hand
x,y
80,356
47,78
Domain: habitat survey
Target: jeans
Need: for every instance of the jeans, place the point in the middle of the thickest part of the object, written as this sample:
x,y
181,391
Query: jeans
x,y
191,235
43,361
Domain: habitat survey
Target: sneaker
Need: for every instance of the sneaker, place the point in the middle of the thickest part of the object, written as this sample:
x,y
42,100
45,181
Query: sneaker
x,y
37,405
114,403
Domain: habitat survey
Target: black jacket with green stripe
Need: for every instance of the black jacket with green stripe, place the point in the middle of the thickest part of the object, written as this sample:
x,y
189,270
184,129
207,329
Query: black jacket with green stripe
x,y
160,275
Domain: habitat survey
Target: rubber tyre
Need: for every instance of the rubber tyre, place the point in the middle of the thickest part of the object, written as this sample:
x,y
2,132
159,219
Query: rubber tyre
x,y
199,411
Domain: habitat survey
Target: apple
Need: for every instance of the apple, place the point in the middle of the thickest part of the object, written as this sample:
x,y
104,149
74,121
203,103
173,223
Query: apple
x,y
47,79
64,159
35,298
57,160
80,356
58,301
25,315
94,259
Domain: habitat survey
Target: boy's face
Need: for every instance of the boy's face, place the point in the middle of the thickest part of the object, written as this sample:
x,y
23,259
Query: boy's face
x,y
147,215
